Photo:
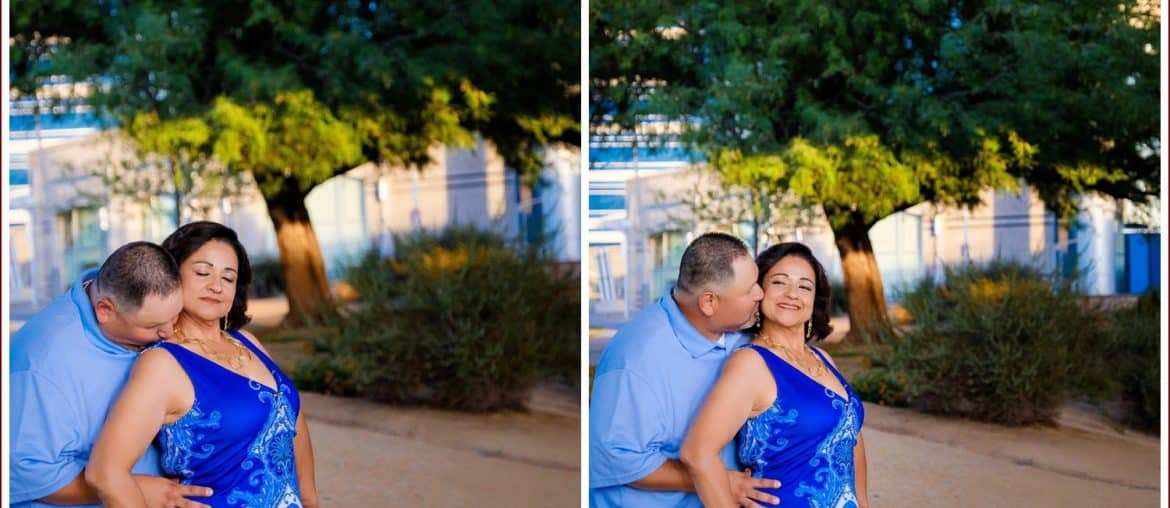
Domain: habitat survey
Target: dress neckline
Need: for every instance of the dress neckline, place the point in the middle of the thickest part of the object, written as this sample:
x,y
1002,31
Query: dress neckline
x,y
276,382
846,397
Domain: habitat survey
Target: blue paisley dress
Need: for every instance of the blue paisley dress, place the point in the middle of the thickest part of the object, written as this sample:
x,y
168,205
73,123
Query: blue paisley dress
x,y
238,436
805,439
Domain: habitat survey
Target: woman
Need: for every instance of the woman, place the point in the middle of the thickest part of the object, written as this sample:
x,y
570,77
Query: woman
x,y
225,415
798,421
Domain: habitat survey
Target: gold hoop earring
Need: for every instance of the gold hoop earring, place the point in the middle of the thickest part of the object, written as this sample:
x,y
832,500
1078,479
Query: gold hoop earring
x,y
224,322
807,330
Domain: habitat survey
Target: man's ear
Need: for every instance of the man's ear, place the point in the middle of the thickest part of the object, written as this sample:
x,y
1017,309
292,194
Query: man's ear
x,y
708,303
104,310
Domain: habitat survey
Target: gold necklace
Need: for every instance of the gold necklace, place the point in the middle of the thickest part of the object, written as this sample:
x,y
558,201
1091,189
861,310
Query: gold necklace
x,y
235,359
813,365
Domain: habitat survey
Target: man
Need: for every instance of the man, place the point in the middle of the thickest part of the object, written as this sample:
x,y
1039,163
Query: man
x,y
70,361
655,373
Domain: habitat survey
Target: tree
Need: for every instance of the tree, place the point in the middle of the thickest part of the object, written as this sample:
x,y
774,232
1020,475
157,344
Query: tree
x,y
294,93
868,108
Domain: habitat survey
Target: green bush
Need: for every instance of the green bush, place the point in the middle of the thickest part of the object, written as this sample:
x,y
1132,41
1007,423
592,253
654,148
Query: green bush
x,y
881,383
1137,359
267,278
325,374
459,319
1001,343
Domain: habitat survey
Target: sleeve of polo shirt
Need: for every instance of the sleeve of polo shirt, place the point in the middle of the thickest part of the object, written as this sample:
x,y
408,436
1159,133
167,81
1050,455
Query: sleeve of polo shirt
x,y
47,446
627,429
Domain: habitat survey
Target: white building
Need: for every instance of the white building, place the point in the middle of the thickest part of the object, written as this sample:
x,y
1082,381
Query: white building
x,y
63,220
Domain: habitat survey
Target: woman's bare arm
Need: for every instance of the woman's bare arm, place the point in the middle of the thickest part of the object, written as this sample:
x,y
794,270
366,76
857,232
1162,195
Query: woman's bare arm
x,y
727,407
133,422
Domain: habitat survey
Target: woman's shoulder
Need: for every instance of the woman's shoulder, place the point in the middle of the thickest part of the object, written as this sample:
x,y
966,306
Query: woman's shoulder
x,y
157,362
745,358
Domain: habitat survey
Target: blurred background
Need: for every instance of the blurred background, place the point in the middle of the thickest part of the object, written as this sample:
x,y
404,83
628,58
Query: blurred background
x,y
405,176
981,181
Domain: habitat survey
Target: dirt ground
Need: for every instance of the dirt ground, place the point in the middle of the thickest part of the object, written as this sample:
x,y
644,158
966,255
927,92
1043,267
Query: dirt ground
x,y
374,455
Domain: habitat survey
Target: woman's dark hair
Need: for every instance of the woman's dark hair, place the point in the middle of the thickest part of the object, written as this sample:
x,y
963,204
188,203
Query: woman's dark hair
x,y
191,237
820,315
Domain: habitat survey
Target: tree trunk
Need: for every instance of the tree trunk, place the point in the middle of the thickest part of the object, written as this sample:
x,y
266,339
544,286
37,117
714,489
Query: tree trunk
x,y
306,285
863,283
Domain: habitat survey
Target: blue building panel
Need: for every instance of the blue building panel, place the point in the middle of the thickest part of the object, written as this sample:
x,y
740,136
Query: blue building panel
x,y
610,154
18,177
607,202
19,123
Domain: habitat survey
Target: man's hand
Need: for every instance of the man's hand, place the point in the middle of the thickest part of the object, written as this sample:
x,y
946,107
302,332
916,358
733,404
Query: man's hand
x,y
744,489
166,493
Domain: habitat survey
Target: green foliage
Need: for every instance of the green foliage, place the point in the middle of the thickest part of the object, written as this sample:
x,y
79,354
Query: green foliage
x,y
328,375
1001,343
1137,365
459,319
396,77
295,142
882,385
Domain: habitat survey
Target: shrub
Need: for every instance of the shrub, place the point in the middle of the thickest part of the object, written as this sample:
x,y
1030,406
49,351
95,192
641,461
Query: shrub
x,y
325,374
459,319
1002,343
881,383
1137,332
267,278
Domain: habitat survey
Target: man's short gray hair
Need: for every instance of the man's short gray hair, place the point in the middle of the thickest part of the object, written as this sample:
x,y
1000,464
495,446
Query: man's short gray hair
x,y
707,262
135,270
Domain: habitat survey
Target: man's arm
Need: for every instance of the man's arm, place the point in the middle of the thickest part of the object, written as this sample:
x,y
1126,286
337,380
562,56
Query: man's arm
x,y
76,492
159,492
621,451
671,476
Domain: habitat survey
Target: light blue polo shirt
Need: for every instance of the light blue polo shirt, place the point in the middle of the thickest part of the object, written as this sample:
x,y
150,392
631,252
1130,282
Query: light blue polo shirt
x,y
65,376
650,382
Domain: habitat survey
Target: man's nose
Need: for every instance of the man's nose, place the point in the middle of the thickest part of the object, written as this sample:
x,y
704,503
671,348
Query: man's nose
x,y
166,330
